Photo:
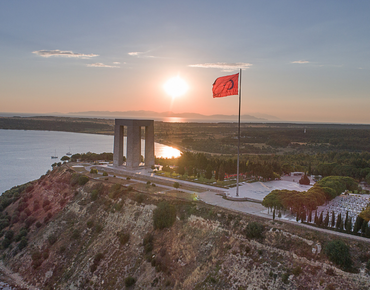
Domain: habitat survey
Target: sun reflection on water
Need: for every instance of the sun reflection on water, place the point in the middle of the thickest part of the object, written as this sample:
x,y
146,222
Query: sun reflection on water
x,y
166,152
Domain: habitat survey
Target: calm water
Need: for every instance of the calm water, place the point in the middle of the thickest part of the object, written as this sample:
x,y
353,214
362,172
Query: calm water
x,y
26,155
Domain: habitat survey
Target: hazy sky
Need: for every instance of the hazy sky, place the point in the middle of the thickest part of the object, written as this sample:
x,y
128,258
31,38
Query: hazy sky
x,y
303,60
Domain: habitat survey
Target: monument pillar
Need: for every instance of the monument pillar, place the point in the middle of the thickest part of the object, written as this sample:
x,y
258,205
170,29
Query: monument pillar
x,y
118,146
149,146
133,157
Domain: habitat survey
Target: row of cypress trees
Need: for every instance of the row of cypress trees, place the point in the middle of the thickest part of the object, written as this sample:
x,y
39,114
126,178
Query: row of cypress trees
x,y
360,227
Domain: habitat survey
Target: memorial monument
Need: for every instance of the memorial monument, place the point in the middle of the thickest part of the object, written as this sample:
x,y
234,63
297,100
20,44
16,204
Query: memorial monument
x,y
133,157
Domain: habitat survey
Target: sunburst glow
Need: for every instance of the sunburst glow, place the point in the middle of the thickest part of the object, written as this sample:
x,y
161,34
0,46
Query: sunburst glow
x,y
176,87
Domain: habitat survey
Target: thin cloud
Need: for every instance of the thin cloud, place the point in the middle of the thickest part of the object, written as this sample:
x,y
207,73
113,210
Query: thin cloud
x,y
116,62
140,54
99,64
61,53
223,65
300,61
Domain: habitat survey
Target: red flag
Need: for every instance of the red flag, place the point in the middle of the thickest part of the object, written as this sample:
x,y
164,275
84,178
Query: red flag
x,y
226,86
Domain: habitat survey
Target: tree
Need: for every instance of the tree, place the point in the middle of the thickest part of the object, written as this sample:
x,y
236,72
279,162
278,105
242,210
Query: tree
x,y
326,221
304,180
273,215
209,170
221,173
65,158
164,215
332,219
338,252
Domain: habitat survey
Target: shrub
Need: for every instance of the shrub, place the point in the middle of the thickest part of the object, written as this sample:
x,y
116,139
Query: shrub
x,y
98,228
338,252
123,237
45,203
254,230
27,211
164,215
36,256
9,234
115,191
22,233
82,180
52,239
97,258
93,171
148,243
148,183
176,185
38,224
6,243
105,173
23,243
76,234
129,281
90,224
94,195
29,221
139,197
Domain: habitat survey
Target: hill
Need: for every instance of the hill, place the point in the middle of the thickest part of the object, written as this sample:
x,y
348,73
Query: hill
x,y
70,231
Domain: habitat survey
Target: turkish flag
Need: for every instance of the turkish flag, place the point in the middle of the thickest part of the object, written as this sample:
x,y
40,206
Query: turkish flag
x,y
226,86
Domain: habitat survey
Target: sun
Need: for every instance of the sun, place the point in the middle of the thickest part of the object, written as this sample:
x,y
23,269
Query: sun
x,y
176,87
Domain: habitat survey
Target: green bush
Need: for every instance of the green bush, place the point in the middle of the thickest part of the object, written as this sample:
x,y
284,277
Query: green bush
x,y
129,281
254,230
82,180
94,171
176,185
90,224
105,173
52,239
76,234
123,237
115,191
23,243
338,252
164,215
94,195
22,233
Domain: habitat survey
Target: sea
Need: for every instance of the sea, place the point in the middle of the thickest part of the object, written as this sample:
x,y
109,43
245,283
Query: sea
x,y
26,155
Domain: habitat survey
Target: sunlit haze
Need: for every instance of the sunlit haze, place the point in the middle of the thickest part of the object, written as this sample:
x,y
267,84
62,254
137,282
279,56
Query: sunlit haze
x,y
300,60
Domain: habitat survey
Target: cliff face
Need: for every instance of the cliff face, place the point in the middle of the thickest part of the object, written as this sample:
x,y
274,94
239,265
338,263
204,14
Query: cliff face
x,y
99,236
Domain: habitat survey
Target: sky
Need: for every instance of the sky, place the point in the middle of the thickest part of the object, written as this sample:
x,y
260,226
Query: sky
x,y
301,60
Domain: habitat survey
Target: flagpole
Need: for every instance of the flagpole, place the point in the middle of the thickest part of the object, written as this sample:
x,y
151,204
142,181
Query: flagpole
x,y
240,100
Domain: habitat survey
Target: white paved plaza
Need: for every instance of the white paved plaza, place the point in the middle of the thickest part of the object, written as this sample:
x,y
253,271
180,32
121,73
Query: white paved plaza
x,y
258,190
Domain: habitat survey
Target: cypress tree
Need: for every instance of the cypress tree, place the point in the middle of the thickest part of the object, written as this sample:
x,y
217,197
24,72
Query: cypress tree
x,y
320,219
349,226
363,228
303,216
358,224
346,220
367,230
297,218
332,219
316,219
309,218
339,221
273,215
326,221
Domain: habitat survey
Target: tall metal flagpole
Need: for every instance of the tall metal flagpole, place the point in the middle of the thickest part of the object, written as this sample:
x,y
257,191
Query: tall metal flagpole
x,y
240,100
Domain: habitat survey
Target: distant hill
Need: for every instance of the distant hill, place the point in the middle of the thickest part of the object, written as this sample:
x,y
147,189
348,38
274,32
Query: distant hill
x,y
162,115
